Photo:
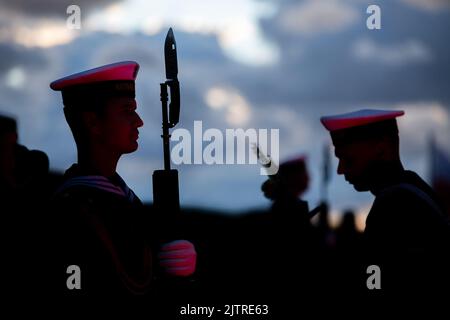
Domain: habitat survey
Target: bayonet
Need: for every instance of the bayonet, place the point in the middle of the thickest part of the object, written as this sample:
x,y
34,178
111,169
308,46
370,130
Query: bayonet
x,y
170,55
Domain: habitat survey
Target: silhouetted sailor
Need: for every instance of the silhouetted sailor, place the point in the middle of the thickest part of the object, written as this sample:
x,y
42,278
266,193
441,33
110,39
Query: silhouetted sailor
x,y
8,143
101,224
23,191
23,172
282,242
286,187
406,231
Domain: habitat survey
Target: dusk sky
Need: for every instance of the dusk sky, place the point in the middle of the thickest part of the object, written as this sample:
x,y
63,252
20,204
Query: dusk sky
x,y
267,64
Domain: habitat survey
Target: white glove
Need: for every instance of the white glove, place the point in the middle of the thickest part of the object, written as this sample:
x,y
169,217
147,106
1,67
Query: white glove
x,y
178,258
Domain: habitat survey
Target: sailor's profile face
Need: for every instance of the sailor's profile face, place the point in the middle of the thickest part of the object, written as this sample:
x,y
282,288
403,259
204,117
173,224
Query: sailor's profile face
x,y
356,162
119,125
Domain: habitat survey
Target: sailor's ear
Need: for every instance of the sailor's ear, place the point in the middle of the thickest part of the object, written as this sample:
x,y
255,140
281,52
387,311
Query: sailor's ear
x,y
91,121
383,148
11,137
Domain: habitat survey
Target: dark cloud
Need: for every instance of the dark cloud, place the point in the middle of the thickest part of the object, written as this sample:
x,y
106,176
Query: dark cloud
x,y
429,5
323,68
14,55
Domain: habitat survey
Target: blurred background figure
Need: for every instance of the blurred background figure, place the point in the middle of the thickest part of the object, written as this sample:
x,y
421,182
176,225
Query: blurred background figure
x,y
326,236
278,256
348,252
286,188
440,174
24,189
348,238
8,143
21,169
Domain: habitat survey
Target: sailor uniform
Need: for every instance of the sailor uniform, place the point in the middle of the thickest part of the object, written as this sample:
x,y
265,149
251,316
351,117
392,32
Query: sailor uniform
x,y
102,228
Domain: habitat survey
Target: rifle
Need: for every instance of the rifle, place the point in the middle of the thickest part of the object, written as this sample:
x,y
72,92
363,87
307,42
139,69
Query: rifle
x,y
265,161
166,198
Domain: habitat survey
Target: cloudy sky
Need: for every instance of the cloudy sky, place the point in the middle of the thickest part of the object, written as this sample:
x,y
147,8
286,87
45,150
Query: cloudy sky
x,y
243,64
